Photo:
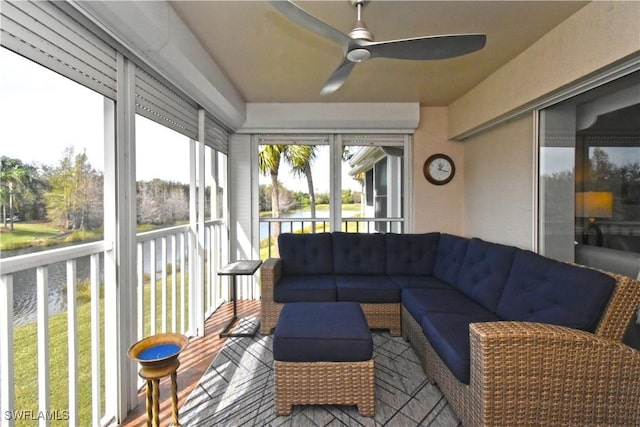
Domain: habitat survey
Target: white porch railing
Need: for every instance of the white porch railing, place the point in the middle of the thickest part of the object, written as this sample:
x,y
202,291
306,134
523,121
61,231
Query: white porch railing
x,y
41,261
165,302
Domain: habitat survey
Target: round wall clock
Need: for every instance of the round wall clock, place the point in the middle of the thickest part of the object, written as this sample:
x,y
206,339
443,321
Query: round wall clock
x,y
439,169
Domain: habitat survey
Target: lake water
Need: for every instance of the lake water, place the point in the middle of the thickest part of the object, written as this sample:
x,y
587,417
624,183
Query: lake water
x,y
24,282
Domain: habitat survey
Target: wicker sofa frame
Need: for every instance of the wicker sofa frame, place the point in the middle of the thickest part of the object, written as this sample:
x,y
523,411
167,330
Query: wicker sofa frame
x,y
522,373
526,374
379,316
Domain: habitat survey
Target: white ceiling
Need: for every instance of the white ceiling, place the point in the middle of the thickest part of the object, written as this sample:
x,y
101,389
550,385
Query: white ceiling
x,y
271,59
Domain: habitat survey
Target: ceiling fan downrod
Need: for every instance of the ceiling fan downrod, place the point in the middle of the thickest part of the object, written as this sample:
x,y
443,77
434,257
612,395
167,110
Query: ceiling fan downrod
x,y
359,32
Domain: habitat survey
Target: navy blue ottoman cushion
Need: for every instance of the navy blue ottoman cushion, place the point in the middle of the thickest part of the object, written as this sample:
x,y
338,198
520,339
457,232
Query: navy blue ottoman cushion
x,y
543,290
411,254
448,334
305,289
367,289
304,254
322,332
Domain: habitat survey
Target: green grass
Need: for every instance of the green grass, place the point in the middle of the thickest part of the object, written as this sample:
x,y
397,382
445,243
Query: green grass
x,y
27,234
26,354
42,234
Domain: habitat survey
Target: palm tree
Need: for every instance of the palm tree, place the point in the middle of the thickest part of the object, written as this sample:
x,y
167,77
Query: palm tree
x,y
300,158
269,163
14,175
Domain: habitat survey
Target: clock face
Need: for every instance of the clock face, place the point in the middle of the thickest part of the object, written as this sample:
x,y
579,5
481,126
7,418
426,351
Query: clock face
x,y
439,169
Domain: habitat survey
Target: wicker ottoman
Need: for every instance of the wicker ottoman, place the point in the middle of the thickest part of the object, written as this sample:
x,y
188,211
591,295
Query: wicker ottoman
x,y
322,356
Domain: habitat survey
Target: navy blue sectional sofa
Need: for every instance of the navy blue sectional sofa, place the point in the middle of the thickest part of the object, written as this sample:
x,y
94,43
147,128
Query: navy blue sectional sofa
x,y
510,336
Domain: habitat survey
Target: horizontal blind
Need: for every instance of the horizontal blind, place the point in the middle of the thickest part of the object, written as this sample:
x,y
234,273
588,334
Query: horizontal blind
x,y
216,136
306,139
165,105
43,33
372,139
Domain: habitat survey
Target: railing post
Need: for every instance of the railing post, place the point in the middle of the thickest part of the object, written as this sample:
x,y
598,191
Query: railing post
x,y
95,342
72,337
42,285
7,383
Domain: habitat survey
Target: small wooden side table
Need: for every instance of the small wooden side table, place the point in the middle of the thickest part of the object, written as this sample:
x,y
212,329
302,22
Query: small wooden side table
x,y
234,269
152,375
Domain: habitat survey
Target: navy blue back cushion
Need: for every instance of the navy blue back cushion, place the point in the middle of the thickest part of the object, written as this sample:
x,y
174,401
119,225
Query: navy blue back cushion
x,y
484,271
411,254
304,254
543,290
359,253
451,251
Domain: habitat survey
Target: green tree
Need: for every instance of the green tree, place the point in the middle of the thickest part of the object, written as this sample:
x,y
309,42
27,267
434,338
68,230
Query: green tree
x,y
300,158
14,178
75,196
269,164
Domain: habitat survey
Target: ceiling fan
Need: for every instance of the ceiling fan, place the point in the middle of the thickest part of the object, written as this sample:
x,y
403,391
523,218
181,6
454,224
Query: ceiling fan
x,y
358,45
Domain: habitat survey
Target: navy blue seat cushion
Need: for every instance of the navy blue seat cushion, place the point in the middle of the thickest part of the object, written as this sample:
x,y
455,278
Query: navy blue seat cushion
x,y
411,254
448,334
451,252
367,289
359,253
484,271
305,288
443,300
305,253
419,282
322,332
543,290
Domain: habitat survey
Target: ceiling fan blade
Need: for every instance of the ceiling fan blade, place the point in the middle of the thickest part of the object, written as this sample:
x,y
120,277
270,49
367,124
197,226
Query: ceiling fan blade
x,y
428,48
338,77
310,22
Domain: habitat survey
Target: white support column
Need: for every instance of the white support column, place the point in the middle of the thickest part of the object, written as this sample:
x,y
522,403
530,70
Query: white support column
x,y
120,296
200,306
193,241
394,190
213,174
335,192
240,215
408,184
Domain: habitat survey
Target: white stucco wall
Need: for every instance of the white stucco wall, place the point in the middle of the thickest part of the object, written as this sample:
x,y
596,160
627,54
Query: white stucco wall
x,y
498,184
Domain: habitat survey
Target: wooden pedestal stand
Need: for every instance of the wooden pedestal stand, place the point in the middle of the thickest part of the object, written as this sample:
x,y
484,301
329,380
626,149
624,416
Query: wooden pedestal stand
x,y
152,375
158,357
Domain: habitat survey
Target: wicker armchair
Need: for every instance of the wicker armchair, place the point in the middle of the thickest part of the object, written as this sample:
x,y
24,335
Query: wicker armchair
x,y
537,374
